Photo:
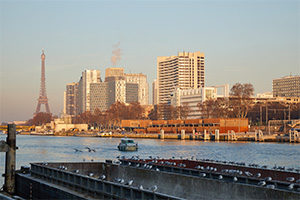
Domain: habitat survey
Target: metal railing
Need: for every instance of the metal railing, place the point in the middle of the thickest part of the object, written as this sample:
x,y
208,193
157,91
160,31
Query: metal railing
x,y
93,187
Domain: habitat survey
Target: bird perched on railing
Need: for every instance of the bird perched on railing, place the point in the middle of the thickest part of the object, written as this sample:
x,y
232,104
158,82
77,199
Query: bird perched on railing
x,y
154,188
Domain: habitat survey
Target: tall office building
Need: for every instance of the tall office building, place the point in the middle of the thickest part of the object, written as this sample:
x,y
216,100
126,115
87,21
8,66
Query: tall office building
x,y
154,92
184,71
288,86
116,92
88,77
99,96
143,88
70,97
132,91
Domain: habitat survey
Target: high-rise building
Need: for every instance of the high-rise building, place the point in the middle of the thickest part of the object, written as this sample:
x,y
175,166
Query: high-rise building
x,y
184,71
288,86
154,92
88,77
116,91
132,91
71,99
99,96
141,80
114,73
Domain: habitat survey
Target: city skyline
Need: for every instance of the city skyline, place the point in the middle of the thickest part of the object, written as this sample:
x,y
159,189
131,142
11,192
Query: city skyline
x,y
244,42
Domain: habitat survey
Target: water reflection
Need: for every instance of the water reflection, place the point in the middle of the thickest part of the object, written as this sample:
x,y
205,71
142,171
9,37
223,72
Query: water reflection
x,y
61,149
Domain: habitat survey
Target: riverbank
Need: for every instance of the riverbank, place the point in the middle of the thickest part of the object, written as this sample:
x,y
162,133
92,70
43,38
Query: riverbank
x,y
243,137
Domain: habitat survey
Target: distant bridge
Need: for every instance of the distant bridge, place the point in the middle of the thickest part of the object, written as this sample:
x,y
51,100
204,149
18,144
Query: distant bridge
x,y
18,128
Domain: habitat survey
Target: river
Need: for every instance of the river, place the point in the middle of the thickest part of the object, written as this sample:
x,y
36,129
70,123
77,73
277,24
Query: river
x,y
61,149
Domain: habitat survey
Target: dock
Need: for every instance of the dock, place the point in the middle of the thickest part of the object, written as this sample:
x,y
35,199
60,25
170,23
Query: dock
x,y
136,178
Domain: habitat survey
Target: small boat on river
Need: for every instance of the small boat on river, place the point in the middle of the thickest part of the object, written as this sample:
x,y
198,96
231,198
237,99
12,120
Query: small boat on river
x,y
127,144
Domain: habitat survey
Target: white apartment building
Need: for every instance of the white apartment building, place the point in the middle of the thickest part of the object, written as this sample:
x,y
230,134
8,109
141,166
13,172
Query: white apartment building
x,y
184,71
88,77
192,97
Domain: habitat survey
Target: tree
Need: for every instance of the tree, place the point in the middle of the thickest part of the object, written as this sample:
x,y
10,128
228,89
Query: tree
x,y
183,111
240,102
40,119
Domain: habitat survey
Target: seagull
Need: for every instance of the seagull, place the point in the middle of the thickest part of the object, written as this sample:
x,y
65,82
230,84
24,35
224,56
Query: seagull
x,y
77,150
141,187
203,174
268,178
90,150
248,173
157,169
258,175
130,182
262,183
122,181
77,171
235,179
91,174
291,179
220,177
291,186
153,188
102,177
271,186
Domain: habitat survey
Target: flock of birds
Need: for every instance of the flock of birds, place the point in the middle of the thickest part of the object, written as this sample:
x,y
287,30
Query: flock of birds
x,y
243,164
88,149
232,172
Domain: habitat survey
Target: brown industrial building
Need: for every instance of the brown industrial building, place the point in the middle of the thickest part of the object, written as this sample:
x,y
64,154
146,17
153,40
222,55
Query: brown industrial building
x,y
175,126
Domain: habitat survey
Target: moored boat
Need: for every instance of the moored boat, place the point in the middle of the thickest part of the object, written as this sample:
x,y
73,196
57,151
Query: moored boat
x,y
127,144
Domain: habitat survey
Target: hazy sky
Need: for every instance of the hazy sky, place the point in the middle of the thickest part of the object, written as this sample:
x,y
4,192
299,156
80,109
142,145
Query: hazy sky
x,y
243,41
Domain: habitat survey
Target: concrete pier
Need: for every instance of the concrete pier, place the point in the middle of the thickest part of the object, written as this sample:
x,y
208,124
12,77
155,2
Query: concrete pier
x,y
147,179
182,135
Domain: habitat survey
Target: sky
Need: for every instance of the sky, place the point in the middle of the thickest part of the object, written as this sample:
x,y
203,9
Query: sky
x,y
243,41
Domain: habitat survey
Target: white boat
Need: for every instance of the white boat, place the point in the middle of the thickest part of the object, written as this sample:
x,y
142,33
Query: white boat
x,y
127,144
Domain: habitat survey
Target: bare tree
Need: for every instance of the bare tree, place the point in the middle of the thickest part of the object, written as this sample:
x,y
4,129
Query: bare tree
x,y
240,101
183,111
40,119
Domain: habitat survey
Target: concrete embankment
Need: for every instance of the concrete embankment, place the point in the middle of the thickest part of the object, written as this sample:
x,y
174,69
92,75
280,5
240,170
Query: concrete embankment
x,y
248,136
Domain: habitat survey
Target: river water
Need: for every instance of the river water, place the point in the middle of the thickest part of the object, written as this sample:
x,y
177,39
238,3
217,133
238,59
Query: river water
x,y
61,149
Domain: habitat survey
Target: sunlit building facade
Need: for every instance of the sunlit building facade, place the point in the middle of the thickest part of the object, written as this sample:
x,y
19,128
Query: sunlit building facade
x,y
288,86
184,71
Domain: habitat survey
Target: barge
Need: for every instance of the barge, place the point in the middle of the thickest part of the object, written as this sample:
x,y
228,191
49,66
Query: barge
x,y
154,178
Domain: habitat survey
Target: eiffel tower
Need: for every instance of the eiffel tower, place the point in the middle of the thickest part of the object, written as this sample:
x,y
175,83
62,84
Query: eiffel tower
x,y
43,96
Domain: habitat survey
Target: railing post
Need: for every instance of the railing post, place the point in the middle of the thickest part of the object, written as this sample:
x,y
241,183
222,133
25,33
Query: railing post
x,y
10,162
